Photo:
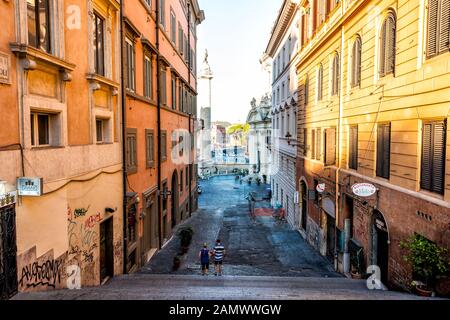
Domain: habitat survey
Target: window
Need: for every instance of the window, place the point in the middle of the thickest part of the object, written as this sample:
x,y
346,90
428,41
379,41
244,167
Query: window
x,y
353,148
38,12
320,83
313,144
387,45
100,126
306,90
335,75
384,150
150,148
163,85
130,56
174,92
330,147
99,45
356,63
283,91
40,129
180,94
173,27
148,76
284,57
162,13
181,181
433,156
438,27
186,49
163,145
180,39
131,151
319,143
305,141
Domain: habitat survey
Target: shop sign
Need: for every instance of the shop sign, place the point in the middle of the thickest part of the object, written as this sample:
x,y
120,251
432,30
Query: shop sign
x,y
8,198
5,67
31,187
320,188
364,189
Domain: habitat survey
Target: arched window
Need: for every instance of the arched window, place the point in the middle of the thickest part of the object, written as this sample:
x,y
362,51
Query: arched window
x,y
335,73
387,45
356,63
320,83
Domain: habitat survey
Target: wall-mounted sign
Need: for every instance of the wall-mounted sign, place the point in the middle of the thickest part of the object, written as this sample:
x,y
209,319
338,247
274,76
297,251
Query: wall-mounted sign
x,y
296,197
364,189
8,198
320,188
31,187
5,67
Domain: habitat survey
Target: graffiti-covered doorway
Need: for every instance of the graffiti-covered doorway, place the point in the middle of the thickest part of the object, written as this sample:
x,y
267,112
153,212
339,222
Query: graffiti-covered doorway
x,y
106,250
8,252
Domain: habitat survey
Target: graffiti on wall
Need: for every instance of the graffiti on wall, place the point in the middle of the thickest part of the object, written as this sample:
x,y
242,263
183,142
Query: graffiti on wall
x,y
47,273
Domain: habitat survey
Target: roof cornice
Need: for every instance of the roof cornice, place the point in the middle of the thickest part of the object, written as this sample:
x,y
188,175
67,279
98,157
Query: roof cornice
x,y
284,19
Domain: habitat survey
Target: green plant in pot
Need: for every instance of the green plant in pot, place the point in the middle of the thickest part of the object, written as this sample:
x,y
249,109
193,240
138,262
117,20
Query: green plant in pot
x,y
428,261
185,238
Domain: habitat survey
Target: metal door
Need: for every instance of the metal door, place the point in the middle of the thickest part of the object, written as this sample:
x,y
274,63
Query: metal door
x,y
8,252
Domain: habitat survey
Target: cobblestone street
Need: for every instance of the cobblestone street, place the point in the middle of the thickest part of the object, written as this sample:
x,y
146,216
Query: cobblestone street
x,y
255,247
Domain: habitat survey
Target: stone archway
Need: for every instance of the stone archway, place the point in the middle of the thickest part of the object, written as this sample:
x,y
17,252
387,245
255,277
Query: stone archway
x,y
380,244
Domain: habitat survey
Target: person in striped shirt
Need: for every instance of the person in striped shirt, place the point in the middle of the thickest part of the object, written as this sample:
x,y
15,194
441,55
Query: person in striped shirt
x,y
218,252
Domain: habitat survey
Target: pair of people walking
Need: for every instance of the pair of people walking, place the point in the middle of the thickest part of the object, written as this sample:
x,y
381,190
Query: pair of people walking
x,y
217,254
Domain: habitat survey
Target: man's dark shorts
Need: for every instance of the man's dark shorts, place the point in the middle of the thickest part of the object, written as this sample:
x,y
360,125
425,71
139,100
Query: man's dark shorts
x,y
205,266
218,262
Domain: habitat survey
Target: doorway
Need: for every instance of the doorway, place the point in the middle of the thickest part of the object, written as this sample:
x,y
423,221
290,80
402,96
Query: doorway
x,y
174,202
380,243
106,250
331,226
304,192
8,252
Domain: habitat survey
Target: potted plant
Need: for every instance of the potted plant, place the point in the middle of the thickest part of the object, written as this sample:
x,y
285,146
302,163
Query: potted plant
x,y
185,238
428,262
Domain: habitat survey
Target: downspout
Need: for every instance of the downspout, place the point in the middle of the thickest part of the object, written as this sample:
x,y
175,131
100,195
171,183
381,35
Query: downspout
x,y
191,159
158,98
123,110
339,162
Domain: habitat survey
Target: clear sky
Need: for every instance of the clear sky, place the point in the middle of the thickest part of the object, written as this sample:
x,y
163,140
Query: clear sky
x,y
236,33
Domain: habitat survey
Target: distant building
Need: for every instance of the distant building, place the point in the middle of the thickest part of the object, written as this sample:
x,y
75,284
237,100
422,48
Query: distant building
x,y
259,137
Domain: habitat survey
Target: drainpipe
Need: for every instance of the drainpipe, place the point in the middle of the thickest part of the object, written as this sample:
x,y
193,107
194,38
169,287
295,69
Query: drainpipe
x,y
339,162
158,98
191,160
124,163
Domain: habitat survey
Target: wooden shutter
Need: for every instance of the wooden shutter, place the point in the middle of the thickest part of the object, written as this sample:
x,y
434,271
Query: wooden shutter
x,y
444,26
305,142
433,157
131,150
330,146
353,146
390,59
306,90
356,63
163,145
320,83
383,50
335,80
433,20
150,148
313,144
384,150
318,147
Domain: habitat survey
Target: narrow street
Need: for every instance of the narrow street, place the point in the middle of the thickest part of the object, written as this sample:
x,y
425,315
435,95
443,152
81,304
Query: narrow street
x,y
265,260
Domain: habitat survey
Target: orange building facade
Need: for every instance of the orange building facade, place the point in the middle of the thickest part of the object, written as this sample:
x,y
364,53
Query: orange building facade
x,y
159,67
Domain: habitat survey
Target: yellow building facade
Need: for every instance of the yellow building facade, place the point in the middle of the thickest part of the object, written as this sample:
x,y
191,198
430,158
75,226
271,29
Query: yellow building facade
x,y
374,84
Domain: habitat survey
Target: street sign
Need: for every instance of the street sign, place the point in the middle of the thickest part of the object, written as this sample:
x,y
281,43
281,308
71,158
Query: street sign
x,y
364,189
31,187
320,188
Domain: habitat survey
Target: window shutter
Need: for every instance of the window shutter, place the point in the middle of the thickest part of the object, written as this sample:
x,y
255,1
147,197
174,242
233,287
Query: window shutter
x,y
439,157
320,85
318,147
433,16
383,50
305,141
330,147
358,62
444,26
383,150
353,145
390,59
426,157
313,144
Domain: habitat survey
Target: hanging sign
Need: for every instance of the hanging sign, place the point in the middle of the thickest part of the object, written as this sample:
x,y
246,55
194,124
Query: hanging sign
x,y
320,188
31,187
364,189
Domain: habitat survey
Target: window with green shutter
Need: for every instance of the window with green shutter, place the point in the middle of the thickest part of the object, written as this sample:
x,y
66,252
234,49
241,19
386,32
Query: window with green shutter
x,y
384,150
